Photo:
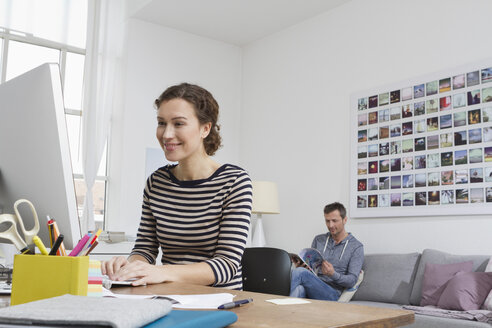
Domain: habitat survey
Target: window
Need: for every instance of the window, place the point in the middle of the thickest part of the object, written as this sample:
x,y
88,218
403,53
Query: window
x,y
31,36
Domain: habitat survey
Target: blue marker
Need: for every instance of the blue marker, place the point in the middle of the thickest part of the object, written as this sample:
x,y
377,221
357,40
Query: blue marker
x,y
234,304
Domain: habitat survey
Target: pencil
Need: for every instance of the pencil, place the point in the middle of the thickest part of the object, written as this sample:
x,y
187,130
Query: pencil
x,y
61,250
92,247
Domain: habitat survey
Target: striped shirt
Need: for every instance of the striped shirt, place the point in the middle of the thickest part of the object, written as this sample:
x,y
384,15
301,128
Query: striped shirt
x,y
203,220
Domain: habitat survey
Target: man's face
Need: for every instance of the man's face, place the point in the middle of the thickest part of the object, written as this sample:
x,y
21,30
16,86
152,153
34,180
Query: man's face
x,y
335,223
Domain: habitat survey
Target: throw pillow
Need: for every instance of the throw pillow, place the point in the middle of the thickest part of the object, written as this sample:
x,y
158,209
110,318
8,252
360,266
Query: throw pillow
x,y
349,292
487,305
435,278
466,291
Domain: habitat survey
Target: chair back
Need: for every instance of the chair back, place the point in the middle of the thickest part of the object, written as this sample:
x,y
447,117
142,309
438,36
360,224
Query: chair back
x,y
266,270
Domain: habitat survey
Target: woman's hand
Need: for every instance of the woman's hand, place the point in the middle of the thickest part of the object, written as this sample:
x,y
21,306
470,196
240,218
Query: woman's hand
x,y
112,266
143,273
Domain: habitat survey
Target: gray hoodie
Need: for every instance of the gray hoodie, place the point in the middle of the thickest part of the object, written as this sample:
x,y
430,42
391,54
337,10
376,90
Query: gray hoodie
x,y
346,257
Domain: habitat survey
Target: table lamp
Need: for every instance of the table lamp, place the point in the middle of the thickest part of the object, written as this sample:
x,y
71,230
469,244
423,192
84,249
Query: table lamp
x,y
265,201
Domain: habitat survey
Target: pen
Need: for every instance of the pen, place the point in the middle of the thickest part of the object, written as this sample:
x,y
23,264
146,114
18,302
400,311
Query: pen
x,y
89,245
50,230
40,245
25,250
56,233
92,247
84,247
56,245
234,304
76,250
93,239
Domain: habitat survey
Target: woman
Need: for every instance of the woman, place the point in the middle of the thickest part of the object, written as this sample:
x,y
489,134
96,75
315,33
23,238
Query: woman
x,y
197,211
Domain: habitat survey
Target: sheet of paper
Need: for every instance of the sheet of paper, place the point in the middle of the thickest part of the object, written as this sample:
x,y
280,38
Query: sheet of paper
x,y
107,293
199,301
288,301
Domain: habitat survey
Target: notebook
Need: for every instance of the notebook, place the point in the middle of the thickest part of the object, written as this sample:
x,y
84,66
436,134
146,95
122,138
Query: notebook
x,y
193,319
83,311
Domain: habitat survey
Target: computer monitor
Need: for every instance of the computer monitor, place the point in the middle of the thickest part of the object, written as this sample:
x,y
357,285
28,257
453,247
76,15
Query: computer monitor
x,y
34,152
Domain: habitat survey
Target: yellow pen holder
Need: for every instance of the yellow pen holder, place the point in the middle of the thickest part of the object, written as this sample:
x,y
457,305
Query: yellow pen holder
x,y
37,277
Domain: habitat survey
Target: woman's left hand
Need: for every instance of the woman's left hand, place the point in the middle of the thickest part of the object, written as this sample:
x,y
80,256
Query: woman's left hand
x,y
144,273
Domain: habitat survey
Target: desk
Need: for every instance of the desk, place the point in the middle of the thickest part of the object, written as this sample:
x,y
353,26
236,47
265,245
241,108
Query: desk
x,y
265,314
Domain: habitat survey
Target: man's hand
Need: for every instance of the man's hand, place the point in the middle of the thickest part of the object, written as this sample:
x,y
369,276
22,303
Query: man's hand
x,y
327,268
297,261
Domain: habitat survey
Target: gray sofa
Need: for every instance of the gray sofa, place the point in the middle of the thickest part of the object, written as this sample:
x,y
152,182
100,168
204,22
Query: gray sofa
x,y
393,280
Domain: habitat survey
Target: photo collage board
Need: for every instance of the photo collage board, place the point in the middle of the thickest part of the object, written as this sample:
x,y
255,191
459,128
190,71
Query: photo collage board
x,y
424,146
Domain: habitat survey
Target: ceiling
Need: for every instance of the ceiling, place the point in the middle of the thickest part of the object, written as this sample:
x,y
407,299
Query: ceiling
x,y
237,22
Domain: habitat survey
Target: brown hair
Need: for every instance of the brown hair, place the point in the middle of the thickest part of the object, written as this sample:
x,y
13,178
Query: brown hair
x,y
206,110
336,206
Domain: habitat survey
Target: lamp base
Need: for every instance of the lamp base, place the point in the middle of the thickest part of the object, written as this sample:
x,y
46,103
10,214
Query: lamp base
x,y
259,234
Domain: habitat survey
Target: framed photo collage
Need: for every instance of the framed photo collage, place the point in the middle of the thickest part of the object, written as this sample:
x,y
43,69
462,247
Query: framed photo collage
x,y
424,147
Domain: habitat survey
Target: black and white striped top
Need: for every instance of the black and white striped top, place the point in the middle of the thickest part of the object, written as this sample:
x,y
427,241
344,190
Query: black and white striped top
x,y
195,221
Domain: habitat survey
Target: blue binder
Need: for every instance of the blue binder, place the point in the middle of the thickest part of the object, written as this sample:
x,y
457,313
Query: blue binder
x,y
193,319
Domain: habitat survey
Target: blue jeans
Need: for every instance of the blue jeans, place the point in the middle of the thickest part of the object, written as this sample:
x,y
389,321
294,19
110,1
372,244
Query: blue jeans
x,y
306,284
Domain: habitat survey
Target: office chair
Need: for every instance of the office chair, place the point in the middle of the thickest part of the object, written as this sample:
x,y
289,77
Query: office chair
x,y
266,270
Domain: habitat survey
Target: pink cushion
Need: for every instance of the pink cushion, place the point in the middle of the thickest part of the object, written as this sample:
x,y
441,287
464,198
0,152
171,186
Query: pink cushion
x,y
466,291
487,304
435,278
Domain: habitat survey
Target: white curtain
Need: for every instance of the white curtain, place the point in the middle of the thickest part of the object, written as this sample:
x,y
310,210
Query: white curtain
x,y
56,20
102,89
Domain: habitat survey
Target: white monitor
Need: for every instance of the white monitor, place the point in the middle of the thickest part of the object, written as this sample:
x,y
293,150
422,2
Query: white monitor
x,y
34,152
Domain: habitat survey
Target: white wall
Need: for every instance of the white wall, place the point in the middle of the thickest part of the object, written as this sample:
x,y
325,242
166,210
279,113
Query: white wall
x,y
157,58
285,110
295,112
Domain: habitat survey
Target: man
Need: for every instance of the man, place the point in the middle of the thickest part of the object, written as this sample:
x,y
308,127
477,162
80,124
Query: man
x,y
343,256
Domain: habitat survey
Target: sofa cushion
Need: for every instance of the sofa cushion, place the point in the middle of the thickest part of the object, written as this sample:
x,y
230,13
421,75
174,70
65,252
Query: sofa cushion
x,y
388,278
487,305
348,293
435,256
427,321
436,277
377,304
466,291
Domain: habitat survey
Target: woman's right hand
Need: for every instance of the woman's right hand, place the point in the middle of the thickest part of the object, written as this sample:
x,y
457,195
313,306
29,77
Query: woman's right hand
x,y
112,266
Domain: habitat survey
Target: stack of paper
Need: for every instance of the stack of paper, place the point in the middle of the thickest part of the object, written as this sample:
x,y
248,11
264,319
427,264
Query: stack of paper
x,y
95,279
200,301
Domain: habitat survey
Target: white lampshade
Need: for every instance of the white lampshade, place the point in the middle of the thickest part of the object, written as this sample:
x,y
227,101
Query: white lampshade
x,y
265,201
265,197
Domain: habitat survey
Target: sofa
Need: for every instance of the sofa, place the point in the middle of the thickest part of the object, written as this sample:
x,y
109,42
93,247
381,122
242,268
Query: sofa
x,y
394,280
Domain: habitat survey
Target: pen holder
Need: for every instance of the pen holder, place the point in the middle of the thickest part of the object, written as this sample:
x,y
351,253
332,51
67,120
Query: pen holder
x,y
37,277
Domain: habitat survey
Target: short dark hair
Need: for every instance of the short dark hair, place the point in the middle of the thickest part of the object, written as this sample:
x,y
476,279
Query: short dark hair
x,y
336,206
206,109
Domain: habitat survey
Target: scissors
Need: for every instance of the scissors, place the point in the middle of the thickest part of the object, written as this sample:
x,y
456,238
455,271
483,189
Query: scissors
x,y
12,234
28,234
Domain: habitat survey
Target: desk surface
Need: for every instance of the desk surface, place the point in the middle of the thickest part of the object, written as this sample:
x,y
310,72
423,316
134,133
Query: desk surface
x,y
265,314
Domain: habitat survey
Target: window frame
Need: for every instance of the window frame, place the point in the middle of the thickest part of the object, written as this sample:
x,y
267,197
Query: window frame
x,y
8,35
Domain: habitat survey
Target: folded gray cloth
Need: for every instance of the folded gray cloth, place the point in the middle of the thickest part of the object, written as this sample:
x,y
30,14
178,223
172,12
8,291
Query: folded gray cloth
x,y
70,310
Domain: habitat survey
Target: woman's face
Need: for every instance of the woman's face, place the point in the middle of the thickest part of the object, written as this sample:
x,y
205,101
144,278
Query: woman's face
x,y
179,132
